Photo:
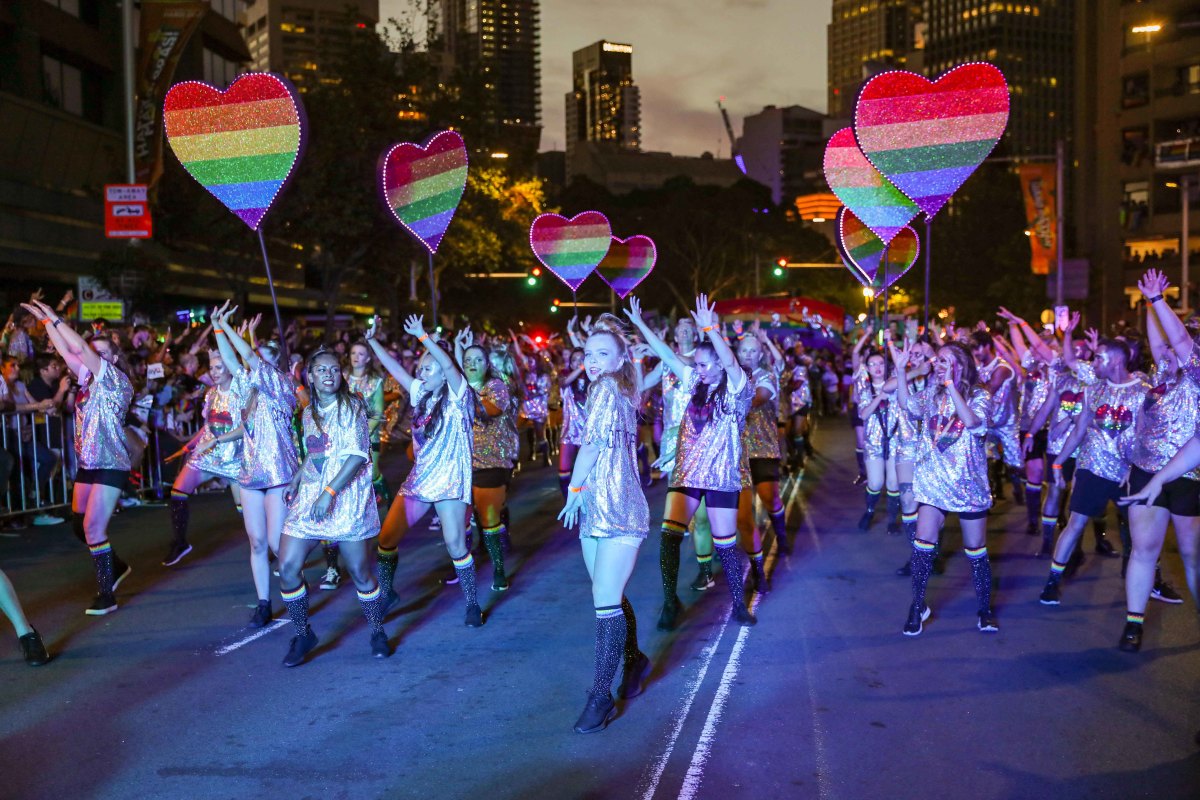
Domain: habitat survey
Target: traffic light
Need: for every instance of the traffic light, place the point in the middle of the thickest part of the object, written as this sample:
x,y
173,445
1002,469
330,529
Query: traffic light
x,y
780,266
534,276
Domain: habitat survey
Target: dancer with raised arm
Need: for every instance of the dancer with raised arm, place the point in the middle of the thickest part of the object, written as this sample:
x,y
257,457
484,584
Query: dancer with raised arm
x,y
605,496
443,408
573,389
877,411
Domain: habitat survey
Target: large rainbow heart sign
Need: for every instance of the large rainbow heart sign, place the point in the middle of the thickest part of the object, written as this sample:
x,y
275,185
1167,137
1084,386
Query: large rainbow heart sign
x,y
927,137
862,251
872,198
423,184
241,144
571,248
627,264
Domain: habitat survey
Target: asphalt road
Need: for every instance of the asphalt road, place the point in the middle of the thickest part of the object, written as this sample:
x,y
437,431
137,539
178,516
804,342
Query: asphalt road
x,y
170,697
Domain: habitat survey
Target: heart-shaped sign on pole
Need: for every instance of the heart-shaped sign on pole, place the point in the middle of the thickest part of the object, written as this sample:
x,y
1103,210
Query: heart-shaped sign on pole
x,y
927,137
571,248
423,184
241,144
863,252
628,263
861,188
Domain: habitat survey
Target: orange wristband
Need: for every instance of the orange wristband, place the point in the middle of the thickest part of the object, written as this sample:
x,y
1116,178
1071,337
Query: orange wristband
x,y
332,493
422,337
576,489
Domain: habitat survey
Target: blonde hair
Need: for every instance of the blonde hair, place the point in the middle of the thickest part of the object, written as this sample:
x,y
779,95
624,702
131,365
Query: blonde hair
x,y
625,375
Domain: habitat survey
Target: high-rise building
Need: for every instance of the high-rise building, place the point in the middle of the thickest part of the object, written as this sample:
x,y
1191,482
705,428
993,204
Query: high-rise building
x,y
499,39
603,106
1138,151
783,149
1033,44
865,37
287,36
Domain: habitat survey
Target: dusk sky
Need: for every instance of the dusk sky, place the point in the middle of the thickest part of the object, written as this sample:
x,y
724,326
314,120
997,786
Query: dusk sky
x,y
686,54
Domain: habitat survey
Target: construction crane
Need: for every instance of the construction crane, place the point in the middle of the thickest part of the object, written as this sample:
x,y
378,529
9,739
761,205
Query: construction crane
x,y
733,148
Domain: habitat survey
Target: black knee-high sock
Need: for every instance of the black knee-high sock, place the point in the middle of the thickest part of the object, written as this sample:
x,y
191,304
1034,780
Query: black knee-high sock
x,y
779,525
862,464
296,601
632,651
1123,530
372,607
893,506
610,643
491,538
464,565
908,520
564,480
180,513
102,560
1049,519
872,500
1033,504
77,528
732,565
385,567
981,576
670,541
332,550
921,564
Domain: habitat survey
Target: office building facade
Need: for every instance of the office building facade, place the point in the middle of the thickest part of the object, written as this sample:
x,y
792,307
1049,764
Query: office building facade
x,y
783,150
287,36
603,106
864,38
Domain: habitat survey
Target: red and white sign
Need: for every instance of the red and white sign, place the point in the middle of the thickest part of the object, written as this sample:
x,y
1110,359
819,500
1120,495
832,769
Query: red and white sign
x,y
126,211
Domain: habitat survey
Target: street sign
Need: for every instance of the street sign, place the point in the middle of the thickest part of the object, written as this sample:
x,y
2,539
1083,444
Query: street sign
x,y
126,211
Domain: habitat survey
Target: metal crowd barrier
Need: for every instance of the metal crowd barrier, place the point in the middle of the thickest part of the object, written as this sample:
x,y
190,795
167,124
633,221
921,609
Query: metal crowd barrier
x,y
153,487
29,446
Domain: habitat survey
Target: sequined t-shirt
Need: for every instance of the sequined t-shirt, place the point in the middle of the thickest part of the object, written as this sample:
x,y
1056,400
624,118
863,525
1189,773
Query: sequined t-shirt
x,y
710,438
613,501
1114,411
442,467
100,409
950,471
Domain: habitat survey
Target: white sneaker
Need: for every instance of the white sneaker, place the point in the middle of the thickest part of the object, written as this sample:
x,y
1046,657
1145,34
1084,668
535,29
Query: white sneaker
x,y
47,519
331,580
435,523
129,502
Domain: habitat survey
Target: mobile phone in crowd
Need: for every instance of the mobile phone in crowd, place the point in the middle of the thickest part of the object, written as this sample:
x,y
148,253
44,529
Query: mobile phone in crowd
x,y
1062,316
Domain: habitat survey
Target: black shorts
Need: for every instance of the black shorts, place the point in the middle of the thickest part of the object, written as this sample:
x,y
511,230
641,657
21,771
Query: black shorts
x,y
962,515
1092,494
492,478
711,497
803,411
1039,445
1068,468
764,470
1181,496
855,419
116,478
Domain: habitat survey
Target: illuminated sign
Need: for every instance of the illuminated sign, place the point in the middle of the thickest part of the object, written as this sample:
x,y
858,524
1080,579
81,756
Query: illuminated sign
x,y
610,47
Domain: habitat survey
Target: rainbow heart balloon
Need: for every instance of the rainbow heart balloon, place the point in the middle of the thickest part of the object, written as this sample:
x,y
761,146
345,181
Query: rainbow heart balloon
x,y
927,137
423,184
628,263
862,251
856,182
571,248
241,144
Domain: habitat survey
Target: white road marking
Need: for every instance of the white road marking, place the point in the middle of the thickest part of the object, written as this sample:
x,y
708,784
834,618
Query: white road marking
x,y
229,648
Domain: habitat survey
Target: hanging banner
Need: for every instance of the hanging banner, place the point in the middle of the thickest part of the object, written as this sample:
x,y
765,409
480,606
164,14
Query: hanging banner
x,y
166,27
1038,188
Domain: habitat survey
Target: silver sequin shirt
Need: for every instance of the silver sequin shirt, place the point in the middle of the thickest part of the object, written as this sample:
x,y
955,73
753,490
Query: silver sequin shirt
x,y
879,429
613,501
354,515
762,424
675,401
1062,418
1114,411
1039,379
370,388
100,409
222,413
1003,410
1169,419
710,451
950,471
442,468
535,408
495,437
269,455
908,427
574,397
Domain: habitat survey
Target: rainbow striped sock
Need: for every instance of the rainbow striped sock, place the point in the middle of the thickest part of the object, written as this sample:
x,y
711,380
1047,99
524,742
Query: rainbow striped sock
x,y
464,562
704,559
976,552
386,552
238,507
922,546
1131,616
367,597
1048,521
908,518
608,612
296,601
100,549
298,593
673,528
757,556
1056,571
723,542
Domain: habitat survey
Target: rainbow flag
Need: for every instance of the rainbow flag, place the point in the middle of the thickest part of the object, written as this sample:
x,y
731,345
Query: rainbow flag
x,y
856,182
422,185
571,248
928,137
241,144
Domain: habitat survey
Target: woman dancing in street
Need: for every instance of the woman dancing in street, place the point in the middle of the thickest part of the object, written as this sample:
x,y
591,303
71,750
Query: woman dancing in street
x,y
709,455
951,473
907,442
100,448
573,387
605,496
331,498
269,458
441,473
880,427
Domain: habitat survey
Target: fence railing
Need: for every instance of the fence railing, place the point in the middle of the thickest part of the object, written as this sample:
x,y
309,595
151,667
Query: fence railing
x,y
34,461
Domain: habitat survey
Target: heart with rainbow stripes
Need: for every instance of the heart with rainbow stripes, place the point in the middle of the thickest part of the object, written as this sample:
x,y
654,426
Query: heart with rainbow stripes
x,y
241,144
927,137
881,206
628,263
862,251
423,184
571,248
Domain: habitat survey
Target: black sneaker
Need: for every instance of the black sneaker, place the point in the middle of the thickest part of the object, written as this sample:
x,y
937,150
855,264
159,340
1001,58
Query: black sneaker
x,y
121,571
916,620
704,581
1051,595
380,647
633,676
1131,638
759,582
743,616
262,614
175,554
451,579
864,522
331,579
101,605
894,528
598,712
474,618
987,622
669,618
1163,592
300,648
859,479
906,570
1105,548
33,649
500,582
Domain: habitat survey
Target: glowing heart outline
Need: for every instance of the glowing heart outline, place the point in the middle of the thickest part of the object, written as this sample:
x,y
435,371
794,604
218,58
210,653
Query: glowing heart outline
x,y
850,248
922,117
865,190
545,244
198,129
439,170
619,248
